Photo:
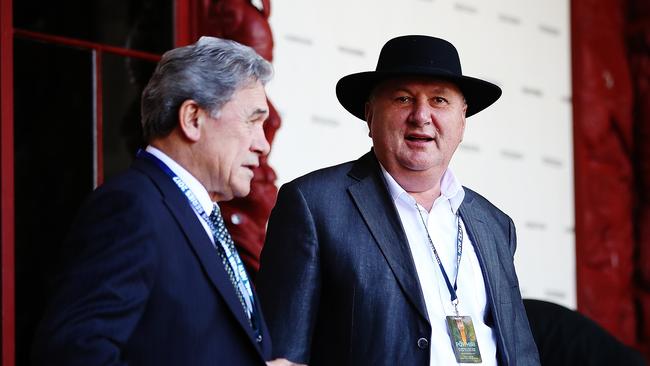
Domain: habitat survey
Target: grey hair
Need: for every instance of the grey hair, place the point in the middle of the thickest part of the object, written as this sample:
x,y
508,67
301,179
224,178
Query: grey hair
x,y
208,72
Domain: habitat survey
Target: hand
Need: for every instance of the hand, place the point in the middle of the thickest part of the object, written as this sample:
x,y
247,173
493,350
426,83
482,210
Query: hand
x,y
283,362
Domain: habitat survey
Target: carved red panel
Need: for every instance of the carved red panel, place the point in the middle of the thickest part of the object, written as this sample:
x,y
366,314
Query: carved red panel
x,y
604,172
638,42
245,21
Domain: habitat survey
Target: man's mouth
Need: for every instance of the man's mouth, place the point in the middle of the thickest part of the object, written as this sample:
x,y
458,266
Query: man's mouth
x,y
415,137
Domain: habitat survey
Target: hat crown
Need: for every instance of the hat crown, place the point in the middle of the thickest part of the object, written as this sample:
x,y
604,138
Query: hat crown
x,y
418,53
416,56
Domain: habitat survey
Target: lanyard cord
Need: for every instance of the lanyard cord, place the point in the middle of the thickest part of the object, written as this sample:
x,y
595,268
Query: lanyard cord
x,y
459,253
233,260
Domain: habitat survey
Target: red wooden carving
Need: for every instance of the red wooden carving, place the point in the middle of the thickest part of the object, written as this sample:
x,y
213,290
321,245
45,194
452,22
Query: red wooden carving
x,y
246,21
604,173
638,37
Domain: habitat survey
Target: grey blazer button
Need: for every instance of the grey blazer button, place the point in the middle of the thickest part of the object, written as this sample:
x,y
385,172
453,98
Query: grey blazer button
x,y
423,343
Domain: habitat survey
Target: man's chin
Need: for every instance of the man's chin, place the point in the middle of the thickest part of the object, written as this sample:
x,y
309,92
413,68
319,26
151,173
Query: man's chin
x,y
242,192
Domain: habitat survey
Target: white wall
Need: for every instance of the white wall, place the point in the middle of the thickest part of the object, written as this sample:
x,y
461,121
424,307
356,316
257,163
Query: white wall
x,y
518,153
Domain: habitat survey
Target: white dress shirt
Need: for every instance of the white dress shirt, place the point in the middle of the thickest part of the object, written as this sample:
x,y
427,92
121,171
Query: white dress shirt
x,y
194,185
442,227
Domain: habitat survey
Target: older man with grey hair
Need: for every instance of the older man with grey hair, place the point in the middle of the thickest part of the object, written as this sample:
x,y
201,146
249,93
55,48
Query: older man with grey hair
x,y
151,274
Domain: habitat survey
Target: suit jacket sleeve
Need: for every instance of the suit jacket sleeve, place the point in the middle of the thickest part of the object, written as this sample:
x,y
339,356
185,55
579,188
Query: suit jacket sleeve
x,y
290,269
526,349
102,293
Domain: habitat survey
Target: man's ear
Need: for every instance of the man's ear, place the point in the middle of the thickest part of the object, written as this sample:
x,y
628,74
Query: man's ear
x,y
464,121
189,115
368,114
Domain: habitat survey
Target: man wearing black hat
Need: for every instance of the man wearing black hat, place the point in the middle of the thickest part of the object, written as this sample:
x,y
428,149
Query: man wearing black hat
x,y
388,260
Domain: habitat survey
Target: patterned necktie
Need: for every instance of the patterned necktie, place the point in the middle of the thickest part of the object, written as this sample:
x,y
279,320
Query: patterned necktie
x,y
222,238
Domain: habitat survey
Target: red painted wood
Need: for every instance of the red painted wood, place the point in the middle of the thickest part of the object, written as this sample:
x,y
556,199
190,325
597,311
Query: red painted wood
x,y
7,183
638,46
99,118
246,217
182,24
604,174
86,45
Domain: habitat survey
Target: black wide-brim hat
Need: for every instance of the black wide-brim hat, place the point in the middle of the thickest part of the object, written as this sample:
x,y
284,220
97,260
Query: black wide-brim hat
x,y
415,56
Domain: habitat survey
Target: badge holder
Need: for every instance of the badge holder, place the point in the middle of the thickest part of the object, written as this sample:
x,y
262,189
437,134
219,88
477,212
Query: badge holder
x,y
463,337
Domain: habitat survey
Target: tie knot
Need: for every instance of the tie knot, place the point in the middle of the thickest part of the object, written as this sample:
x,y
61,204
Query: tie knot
x,y
217,221
216,213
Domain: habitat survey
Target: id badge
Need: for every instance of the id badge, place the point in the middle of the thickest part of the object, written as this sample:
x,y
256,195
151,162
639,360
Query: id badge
x,y
463,339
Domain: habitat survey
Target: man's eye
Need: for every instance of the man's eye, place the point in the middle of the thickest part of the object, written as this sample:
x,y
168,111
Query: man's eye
x,y
439,100
403,99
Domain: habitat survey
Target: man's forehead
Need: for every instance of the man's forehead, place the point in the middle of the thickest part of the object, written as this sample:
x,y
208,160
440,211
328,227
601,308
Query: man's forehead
x,y
250,93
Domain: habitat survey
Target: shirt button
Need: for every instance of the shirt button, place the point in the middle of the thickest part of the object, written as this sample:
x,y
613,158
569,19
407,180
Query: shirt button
x,y
423,343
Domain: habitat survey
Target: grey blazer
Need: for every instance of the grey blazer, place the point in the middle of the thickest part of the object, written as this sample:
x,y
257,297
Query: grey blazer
x,y
338,284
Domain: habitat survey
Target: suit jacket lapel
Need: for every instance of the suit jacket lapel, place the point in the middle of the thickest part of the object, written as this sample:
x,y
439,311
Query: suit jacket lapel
x,y
380,215
484,243
198,240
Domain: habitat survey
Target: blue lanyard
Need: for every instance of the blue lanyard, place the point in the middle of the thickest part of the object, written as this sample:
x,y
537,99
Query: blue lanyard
x,y
233,260
459,254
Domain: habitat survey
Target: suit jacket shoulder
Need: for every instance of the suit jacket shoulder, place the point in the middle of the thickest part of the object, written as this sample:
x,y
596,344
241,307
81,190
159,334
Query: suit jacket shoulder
x,y
474,198
143,284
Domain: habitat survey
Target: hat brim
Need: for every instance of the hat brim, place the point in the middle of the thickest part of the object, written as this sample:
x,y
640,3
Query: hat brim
x,y
353,90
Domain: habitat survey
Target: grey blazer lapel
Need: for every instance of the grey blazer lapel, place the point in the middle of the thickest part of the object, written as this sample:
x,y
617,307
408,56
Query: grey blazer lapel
x,y
478,230
371,197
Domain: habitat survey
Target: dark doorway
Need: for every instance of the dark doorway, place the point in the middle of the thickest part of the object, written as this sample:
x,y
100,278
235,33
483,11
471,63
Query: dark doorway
x,y
59,144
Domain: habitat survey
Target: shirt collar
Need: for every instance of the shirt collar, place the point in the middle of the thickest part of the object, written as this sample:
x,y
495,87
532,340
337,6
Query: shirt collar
x,y
195,186
450,189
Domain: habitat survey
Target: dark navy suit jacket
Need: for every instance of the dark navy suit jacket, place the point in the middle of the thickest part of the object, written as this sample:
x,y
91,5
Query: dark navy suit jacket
x,y
143,285
338,284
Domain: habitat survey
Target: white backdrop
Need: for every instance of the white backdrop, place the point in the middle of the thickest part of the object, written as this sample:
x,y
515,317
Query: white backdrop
x,y
517,153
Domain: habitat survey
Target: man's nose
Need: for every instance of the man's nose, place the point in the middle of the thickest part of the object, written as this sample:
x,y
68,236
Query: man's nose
x,y
260,143
421,113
